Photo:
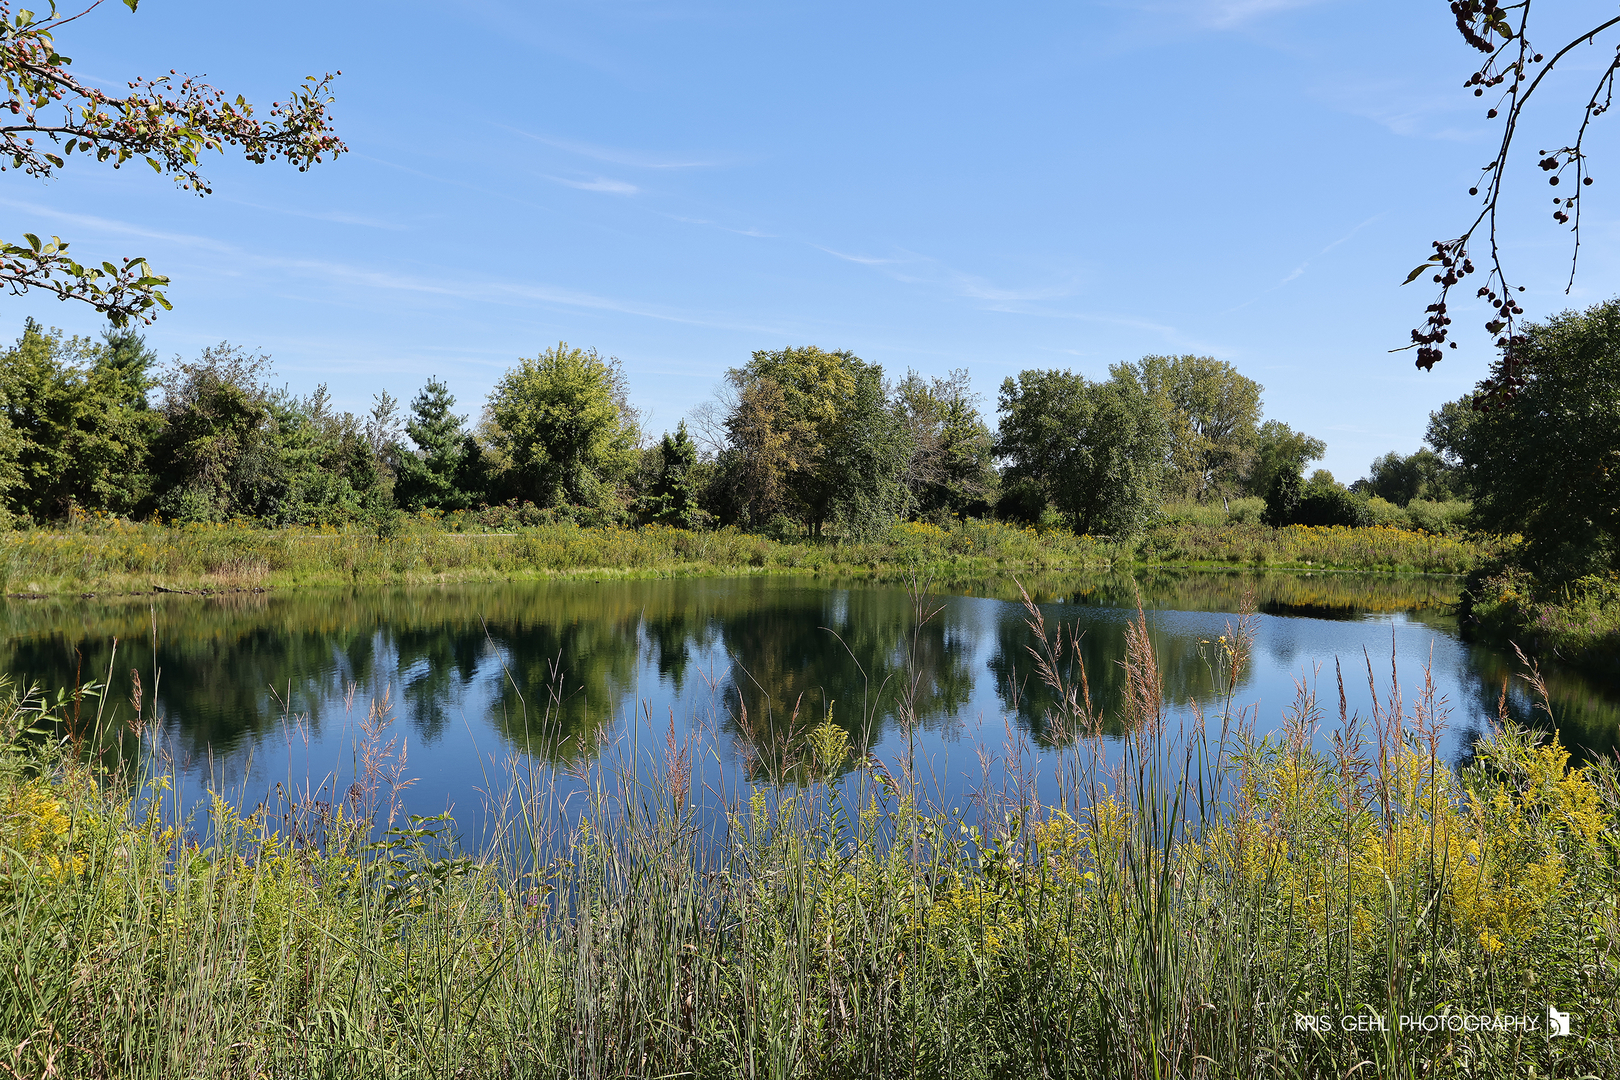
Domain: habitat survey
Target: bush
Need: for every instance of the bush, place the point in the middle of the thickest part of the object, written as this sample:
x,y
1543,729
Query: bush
x,y
1325,506
1440,518
1246,511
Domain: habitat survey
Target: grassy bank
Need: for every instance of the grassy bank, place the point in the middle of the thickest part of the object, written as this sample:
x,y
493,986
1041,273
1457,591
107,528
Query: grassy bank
x,y
117,557
1178,914
1577,624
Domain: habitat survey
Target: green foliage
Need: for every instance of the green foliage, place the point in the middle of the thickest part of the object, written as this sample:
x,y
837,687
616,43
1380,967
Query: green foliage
x,y
124,353
77,423
1546,462
1283,498
444,472
839,926
1447,432
812,434
1211,413
1322,501
1095,450
562,430
952,468
672,496
167,124
1280,450
231,447
1578,621
1422,474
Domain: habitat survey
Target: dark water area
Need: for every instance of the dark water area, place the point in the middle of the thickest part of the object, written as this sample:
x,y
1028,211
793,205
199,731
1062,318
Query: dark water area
x,y
253,690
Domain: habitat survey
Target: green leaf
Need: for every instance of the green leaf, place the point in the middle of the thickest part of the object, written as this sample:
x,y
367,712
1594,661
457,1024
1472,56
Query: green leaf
x,y
54,160
1417,271
33,241
131,4
155,166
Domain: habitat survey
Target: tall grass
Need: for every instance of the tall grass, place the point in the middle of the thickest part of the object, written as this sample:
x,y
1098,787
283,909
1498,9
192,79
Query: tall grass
x,y
99,555
1376,547
108,555
1194,902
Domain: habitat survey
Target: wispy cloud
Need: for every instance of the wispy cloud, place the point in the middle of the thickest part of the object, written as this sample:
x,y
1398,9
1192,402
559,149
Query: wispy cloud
x,y
1217,14
340,217
1299,270
118,228
1228,13
913,268
724,228
601,183
864,260
475,290
1411,111
635,159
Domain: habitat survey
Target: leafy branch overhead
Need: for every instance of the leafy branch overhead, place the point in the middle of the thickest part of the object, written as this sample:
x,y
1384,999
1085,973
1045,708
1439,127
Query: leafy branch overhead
x,y
1512,71
168,122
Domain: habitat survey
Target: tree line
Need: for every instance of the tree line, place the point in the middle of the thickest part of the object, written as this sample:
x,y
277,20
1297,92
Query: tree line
x,y
797,441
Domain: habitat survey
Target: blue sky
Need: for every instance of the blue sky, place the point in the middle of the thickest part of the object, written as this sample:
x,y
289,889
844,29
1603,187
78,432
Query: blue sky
x,y
933,186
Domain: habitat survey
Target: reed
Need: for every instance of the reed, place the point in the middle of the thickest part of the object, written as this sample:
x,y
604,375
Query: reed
x,y
1190,897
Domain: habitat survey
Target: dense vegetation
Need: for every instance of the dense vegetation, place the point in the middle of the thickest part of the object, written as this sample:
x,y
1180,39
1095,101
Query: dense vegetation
x,y
799,442
1545,463
1147,922
1168,459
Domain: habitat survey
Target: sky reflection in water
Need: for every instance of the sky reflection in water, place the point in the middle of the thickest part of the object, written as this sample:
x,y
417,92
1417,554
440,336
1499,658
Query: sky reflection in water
x,y
261,689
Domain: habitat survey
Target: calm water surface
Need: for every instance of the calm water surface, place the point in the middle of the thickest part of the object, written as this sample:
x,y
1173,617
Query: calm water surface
x,y
259,689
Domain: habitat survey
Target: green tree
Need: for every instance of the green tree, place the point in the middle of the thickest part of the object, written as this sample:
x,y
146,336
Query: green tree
x,y
1447,432
78,435
952,466
435,476
329,472
165,122
867,450
216,458
562,428
1279,451
233,447
1211,413
1097,451
1422,474
672,497
124,353
1546,462
1283,499
812,434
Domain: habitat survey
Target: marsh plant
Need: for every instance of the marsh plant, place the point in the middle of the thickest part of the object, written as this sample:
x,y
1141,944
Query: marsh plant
x,y
1196,900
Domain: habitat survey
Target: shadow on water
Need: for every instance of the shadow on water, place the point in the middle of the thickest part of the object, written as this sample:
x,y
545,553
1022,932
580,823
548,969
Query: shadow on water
x,y
547,667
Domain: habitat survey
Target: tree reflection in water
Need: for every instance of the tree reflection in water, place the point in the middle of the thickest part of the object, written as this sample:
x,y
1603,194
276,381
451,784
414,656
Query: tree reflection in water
x,y
554,669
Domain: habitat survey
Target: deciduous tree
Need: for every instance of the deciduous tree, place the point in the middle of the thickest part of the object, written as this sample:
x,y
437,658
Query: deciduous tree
x,y
1279,451
1546,463
1097,451
168,122
1211,412
952,464
561,424
1510,74
812,434
79,422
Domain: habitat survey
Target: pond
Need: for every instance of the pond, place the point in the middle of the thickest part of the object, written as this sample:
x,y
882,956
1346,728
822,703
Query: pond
x,y
253,690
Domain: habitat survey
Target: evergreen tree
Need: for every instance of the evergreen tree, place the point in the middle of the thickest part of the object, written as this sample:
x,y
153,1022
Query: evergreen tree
x,y
433,476
672,499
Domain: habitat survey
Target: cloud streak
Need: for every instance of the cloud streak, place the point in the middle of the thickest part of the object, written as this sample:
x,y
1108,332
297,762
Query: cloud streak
x,y
601,183
634,159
